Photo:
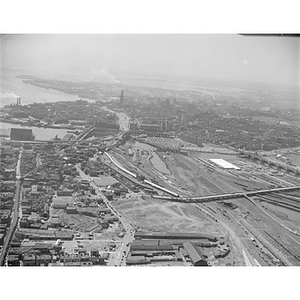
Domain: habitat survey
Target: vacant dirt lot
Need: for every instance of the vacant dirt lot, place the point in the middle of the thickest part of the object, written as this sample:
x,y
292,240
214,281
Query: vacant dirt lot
x,y
158,215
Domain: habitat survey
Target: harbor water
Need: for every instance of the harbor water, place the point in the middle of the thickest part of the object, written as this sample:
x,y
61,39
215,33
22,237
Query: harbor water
x,y
41,134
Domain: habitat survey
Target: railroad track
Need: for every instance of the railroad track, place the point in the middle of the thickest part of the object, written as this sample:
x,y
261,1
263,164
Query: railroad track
x,y
296,256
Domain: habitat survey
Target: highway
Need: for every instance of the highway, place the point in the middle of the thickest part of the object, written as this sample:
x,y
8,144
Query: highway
x,y
15,213
129,235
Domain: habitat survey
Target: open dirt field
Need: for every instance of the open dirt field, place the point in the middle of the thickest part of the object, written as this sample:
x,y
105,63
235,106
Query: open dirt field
x,y
82,222
193,176
156,215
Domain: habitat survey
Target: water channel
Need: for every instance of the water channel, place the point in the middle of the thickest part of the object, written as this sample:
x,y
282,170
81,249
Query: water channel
x,y
41,134
155,160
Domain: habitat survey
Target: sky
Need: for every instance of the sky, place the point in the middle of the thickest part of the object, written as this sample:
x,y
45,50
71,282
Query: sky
x,y
271,60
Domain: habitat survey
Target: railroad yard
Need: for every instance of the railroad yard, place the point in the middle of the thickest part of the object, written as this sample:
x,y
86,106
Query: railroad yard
x,y
100,201
257,225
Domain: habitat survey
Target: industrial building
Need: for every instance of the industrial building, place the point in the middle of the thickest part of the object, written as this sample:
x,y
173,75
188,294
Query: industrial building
x,y
171,235
191,139
195,254
150,127
104,128
105,125
20,134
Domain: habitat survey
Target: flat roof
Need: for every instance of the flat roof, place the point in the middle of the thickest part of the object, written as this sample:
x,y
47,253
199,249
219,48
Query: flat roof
x,y
224,163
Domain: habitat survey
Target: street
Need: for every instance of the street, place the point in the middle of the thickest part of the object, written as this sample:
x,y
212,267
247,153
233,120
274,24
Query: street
x,y
129,235
123,119
15,214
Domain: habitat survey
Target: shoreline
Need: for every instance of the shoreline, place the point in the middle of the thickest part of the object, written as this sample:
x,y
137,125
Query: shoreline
x,y
19,122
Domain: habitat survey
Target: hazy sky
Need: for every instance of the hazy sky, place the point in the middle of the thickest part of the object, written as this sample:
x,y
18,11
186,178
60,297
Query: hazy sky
x,y
263,59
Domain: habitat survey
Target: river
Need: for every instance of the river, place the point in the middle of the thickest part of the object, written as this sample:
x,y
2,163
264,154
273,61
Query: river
x,y
11,87
159,164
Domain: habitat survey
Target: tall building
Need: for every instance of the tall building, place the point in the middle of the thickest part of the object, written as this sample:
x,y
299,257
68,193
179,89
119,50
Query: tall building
x,y
165,125
122,97
19,101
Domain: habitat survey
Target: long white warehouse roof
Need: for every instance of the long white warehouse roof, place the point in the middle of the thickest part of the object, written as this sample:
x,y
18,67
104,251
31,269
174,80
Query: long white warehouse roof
x,y
223,163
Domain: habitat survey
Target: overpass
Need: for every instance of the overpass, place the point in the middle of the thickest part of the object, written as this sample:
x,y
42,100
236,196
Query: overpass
x,y
84,134
203,199
221,197
259,192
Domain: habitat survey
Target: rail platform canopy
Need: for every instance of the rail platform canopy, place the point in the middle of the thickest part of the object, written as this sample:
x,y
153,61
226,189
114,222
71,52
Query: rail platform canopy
x,y
223,163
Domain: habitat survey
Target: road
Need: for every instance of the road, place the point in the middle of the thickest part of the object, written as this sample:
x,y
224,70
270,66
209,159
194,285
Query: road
x,y
123,250
247,261
38,160
123,119
15,213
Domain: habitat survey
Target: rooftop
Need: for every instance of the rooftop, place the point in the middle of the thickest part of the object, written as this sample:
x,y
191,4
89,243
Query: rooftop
x,y
223,163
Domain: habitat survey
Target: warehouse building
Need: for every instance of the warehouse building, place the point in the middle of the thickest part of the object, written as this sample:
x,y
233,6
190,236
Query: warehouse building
x,y
174,235
21,134
141,260
195,254
150,127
